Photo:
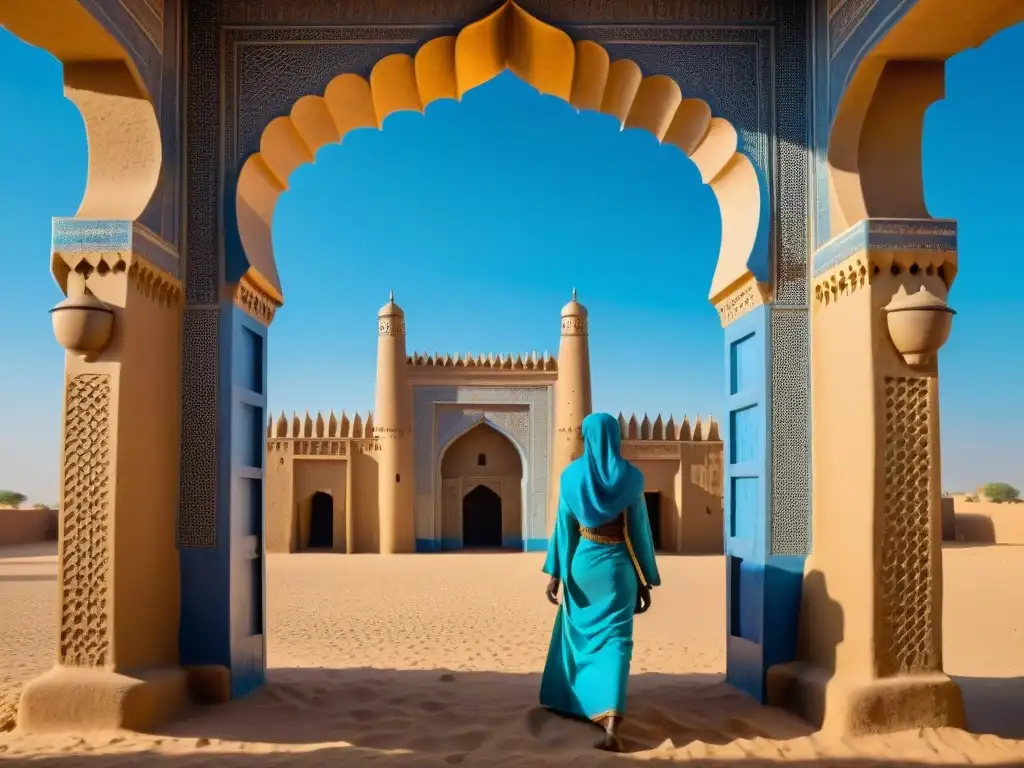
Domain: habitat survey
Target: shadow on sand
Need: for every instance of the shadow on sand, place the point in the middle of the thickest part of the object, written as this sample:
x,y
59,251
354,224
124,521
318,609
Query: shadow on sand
x,y
314,717
472,710
354,717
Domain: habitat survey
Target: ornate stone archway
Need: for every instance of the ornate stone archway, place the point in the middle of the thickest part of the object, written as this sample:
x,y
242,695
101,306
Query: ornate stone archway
x,y
581,73
124,70
509,480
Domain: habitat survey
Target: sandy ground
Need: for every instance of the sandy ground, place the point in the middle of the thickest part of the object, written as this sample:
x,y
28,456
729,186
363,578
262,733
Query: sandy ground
x,y
435,660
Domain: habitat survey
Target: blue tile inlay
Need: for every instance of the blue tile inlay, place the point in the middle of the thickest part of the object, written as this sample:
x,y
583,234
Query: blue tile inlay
x,y
512,542
938,235
71,235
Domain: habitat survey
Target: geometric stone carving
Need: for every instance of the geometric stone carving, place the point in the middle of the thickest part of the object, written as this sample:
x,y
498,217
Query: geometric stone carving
x,y
85,578
320,448
790,432
906,589
198,484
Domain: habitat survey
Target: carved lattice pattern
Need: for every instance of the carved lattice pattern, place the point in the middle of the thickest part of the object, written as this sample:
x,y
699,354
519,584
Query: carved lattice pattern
x,y
197,506
790,433
85,562
906,561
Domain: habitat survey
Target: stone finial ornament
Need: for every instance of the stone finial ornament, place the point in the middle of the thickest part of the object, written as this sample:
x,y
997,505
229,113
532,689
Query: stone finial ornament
x,y
82,324
919,324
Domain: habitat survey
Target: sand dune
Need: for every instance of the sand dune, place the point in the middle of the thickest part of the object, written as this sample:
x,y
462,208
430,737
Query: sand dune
x,y
436,660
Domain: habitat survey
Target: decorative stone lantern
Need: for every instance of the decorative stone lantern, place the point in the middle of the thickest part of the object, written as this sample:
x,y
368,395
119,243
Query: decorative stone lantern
x,y
82,324
919,324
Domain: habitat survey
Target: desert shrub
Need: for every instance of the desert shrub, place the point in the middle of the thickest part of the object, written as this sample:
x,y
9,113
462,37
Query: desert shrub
x,y
12,499
971,497
1000,493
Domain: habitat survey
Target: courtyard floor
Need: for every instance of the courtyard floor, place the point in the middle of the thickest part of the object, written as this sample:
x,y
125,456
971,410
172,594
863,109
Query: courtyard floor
x,y
435,660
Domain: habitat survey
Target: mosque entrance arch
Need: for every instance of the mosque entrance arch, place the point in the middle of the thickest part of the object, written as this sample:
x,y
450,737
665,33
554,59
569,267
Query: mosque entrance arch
x,y
481,485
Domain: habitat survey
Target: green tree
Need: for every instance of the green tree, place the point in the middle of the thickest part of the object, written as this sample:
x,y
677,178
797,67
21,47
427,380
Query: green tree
x,y
12,499
37,505
1000,493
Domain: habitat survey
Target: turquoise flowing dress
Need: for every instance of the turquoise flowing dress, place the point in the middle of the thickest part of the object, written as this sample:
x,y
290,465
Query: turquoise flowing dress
x,y
588,661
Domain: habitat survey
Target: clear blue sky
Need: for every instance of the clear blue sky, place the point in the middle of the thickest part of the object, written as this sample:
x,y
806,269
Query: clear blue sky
x,y
482,216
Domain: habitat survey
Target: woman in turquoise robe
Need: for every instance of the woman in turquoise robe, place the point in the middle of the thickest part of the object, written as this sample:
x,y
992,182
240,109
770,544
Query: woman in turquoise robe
x,y
601,554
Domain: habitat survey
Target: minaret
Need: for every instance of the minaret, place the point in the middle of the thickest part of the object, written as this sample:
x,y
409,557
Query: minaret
x,y
392,420
572,397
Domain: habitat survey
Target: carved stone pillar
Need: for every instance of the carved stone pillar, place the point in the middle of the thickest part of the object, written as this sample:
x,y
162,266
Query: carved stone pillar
x,y
870,642
117,659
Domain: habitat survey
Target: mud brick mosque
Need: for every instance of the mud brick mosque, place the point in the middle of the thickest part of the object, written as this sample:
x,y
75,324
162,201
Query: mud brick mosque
x,y
472,454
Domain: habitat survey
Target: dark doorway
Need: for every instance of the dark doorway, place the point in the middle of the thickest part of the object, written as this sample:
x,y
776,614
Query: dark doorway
x,y
653,499
481,519
321,521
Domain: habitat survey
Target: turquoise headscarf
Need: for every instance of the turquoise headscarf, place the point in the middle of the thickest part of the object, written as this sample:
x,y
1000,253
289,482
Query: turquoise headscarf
x,y
599,485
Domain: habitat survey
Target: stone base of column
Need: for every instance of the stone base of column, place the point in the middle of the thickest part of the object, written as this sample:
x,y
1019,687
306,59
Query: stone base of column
x,y
209,684
79,699
849,707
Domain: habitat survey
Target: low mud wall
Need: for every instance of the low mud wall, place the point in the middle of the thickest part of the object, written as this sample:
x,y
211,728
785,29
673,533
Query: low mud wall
x,y
982,522
27,526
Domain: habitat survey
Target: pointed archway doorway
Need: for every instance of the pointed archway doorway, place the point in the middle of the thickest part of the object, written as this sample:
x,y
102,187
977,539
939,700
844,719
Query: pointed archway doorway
x,y
481,484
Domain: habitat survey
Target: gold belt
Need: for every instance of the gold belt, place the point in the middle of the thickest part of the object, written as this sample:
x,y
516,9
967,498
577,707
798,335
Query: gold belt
x,y
610,533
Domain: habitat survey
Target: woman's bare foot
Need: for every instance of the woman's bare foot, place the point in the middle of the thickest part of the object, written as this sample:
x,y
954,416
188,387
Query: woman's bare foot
x,y
610,742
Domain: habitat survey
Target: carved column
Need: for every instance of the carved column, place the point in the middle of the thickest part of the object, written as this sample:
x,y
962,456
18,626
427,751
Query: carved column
x,y
117,660
870,644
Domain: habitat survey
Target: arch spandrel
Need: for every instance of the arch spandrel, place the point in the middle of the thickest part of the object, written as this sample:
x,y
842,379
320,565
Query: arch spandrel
x,y
921,31
580,73
103,82
462,428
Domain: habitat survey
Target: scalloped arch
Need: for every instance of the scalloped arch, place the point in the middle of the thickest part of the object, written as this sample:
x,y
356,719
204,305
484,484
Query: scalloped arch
x,y
580,73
